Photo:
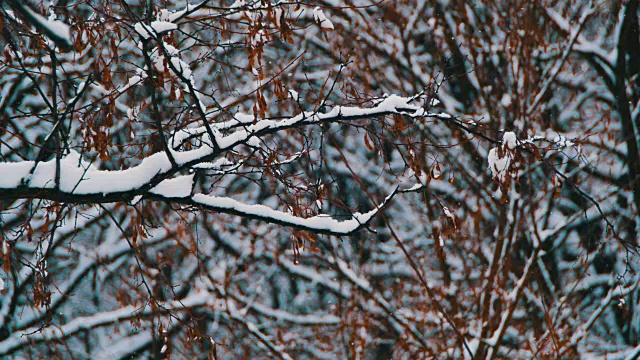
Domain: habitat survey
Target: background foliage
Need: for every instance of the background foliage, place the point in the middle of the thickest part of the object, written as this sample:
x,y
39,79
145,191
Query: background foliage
x,y
520,127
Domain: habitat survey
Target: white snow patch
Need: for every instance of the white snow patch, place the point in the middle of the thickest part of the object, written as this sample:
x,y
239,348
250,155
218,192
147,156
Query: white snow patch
x,y
448,213
178,187
294,95
238,3
506,100
562,141
499,165
318,222
57,27
320,18
510,140
156,27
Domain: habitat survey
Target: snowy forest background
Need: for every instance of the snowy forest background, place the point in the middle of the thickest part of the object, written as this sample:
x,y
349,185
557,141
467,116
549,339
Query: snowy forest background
x,y
335,179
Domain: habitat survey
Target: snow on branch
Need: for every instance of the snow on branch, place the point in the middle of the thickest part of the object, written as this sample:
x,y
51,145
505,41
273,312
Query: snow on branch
x,y
154,29
323,224
57,31
500,158
281,315
389,105
36,334
156,178
321,19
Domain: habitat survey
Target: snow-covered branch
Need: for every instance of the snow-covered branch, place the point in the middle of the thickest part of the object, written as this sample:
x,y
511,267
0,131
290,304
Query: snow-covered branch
x,y
52,333
81,183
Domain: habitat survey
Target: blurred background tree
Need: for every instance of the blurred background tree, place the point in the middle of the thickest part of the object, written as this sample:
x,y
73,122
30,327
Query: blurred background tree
x,y
478,162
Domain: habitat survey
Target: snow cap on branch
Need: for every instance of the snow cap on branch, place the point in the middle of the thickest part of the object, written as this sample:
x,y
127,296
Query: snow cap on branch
x,y
501,158
320,18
